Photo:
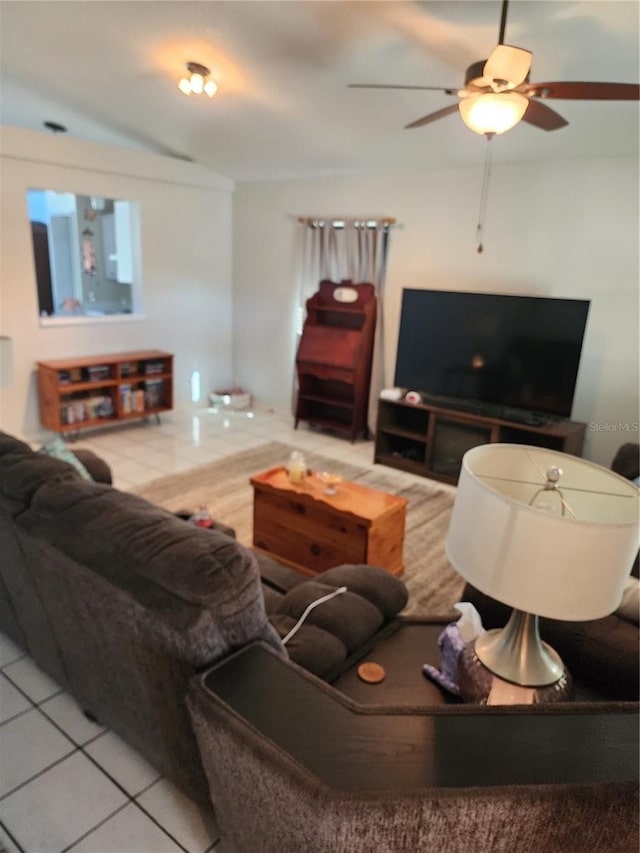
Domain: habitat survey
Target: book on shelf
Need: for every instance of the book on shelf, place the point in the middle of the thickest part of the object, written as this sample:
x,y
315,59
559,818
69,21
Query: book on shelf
x,y
153,393
97,372
132,399
86,409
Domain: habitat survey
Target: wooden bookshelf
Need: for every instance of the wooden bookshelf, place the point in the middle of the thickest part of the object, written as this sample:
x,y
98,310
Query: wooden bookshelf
x,y
78,393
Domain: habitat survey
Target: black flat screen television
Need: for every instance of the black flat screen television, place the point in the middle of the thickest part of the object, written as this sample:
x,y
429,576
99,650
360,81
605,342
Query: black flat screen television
x,y
516,352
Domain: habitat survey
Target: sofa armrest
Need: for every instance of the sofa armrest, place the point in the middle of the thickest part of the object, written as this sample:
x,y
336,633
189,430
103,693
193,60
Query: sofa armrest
x,y
97,467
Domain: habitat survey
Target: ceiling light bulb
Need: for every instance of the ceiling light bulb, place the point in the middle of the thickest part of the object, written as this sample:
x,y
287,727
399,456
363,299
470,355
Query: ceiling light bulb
x,y
210,88
197,83
185,86
492,112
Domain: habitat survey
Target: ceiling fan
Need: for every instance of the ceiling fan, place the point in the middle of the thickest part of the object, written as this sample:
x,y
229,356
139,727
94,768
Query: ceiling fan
x,y
497,93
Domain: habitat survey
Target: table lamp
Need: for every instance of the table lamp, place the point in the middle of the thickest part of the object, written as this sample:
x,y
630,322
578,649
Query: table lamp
x,y
548,534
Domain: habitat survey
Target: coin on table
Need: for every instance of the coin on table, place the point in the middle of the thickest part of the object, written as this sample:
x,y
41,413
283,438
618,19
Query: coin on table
x,y
371,672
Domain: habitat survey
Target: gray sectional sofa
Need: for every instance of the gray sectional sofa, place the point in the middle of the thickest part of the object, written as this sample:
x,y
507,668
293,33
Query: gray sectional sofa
x,y
171,635
122,603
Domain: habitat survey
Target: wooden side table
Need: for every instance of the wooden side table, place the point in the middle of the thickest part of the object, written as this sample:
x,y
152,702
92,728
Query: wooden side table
x,y
301,526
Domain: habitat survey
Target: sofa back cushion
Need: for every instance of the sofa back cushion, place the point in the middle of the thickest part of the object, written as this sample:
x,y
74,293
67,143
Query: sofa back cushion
x,y
160,560
23,472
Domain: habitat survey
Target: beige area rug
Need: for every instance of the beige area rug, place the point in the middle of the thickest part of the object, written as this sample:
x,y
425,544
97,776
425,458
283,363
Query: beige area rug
x,y
225,489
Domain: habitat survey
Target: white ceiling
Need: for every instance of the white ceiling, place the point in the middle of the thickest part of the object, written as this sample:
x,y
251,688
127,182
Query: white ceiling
x,y
108,71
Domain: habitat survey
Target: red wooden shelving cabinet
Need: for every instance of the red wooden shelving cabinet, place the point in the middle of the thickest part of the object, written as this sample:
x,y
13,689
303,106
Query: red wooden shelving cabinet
x,y
334,357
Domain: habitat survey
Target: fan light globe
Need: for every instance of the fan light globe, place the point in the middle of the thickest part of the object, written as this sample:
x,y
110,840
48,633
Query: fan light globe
x,y
197,83
493,113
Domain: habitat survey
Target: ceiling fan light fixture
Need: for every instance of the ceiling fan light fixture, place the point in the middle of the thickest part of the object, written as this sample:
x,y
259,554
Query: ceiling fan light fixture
x,y
493,113
195,83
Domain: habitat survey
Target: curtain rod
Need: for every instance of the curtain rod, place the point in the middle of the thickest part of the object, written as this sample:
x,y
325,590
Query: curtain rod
x,y
312,220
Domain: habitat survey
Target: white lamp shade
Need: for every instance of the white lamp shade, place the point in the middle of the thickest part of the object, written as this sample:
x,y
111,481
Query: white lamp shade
x,y
558,566
493,112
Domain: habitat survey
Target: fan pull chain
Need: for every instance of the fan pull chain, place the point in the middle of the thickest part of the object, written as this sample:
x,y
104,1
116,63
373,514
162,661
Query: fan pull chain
x,y
484,195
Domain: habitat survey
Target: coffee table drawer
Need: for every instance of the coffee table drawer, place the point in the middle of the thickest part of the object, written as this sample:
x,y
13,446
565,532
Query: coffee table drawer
x,y
314,541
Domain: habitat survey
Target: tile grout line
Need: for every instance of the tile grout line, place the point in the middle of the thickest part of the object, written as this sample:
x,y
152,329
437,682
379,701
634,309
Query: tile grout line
x,y
39,773
79,748
131,798
10,662
93,828
18,847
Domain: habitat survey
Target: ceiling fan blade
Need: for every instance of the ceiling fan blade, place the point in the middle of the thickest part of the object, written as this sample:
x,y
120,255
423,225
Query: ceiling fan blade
x,y
433,117
542,116
507,64
447,91
579,91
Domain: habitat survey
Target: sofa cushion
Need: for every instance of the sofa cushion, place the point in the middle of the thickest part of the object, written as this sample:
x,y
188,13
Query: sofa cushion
x,y
98,469
373,597
135,544
629,607
380,587
23,472
349,617
272,599
626,462
8,443
313,648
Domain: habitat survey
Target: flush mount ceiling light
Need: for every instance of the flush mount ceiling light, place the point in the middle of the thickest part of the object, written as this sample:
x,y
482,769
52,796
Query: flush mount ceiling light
x,y
195,82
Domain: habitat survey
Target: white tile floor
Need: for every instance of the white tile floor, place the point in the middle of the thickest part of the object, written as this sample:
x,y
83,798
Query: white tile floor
x,y
65,783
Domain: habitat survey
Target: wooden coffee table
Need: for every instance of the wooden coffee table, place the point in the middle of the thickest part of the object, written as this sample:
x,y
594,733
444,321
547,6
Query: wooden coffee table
x,y
302,527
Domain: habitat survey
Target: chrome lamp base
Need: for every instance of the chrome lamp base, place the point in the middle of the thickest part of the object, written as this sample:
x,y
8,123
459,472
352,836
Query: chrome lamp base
x,y
512,665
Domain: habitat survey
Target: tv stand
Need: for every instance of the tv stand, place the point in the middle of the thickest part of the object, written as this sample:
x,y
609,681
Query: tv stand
x,y
430,438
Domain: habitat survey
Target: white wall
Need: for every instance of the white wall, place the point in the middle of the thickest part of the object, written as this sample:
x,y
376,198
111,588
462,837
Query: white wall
x,y
565,229
185,214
